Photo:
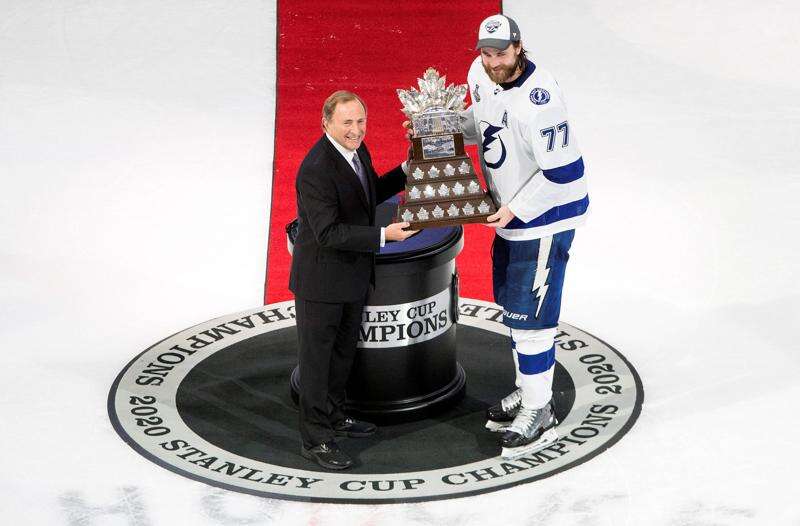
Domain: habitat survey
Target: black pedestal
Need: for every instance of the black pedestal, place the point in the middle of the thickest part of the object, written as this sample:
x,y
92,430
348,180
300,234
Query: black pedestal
x,y
405,368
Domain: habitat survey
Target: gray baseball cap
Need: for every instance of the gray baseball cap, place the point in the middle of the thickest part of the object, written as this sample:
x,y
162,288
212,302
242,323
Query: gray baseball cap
x,y
497,31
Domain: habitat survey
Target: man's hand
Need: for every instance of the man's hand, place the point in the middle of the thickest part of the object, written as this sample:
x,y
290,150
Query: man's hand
x,y
395,232
410,154
501,218
409,130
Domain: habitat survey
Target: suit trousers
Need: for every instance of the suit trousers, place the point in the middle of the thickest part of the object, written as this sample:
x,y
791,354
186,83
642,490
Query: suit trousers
x,y
327,336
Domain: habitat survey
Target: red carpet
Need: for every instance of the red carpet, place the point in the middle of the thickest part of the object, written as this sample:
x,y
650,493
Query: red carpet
x,y
371,49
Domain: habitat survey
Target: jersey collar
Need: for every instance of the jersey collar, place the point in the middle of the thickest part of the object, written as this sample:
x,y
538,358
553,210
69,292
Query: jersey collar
x,y
519,81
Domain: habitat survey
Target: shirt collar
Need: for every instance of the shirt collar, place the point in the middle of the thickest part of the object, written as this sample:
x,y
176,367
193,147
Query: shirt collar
x,y
347,154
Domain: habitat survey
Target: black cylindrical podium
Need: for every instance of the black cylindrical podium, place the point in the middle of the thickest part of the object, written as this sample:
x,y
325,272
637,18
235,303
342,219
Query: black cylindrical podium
x,y
406,366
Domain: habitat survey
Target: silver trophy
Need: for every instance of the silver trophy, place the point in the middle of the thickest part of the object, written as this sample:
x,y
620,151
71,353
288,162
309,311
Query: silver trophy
x,y
443,187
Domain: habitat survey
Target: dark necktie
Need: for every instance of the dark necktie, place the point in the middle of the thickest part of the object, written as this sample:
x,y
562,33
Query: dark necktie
x,y
361,173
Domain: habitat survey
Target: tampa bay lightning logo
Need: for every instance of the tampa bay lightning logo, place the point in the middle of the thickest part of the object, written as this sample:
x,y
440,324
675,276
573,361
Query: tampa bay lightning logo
x,y
493,156
492,26
475,96
540,96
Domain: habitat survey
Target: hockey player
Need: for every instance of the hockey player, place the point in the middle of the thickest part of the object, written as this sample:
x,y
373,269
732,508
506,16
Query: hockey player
x,y
534,171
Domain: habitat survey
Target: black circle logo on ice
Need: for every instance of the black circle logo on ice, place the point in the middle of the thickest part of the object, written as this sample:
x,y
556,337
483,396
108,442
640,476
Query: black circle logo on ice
x,y
212,403
539,96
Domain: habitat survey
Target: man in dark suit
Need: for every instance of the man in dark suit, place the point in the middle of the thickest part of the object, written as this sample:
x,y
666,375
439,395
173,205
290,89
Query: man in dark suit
x,y
333,266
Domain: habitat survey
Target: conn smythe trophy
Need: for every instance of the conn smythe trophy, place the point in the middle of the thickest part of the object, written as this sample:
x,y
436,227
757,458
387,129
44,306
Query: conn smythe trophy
x,y
442,187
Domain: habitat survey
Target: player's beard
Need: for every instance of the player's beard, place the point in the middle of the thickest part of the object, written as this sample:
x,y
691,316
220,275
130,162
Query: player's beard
x,y
501,73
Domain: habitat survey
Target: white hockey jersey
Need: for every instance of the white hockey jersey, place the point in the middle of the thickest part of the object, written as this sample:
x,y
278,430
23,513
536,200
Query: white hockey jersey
x,y
528,153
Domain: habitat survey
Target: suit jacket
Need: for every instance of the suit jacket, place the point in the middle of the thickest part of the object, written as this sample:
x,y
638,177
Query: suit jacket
x,y
334,251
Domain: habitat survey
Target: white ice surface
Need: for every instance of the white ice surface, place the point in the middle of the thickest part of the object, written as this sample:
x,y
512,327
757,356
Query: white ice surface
x,y
135,156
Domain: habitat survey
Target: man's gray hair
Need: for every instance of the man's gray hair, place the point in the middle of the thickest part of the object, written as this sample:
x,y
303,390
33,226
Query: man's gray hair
x,y
335,98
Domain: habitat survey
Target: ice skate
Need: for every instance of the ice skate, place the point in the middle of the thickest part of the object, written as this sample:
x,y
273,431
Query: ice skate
x,y
500,415
532,430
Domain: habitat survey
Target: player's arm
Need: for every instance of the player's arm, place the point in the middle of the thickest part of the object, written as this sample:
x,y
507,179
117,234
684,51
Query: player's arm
x,y
557,154
467,118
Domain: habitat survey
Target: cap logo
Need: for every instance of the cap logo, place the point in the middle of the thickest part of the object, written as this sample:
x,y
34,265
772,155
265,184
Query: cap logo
x,y
492,26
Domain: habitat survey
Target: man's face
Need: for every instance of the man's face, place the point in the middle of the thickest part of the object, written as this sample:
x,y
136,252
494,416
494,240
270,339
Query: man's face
x,y
500,64
348,124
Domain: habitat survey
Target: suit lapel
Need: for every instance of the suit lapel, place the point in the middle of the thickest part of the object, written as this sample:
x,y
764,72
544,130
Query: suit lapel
x,y
348,174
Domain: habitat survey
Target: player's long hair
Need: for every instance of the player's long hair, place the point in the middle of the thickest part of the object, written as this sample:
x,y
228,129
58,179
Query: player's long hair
x,y
521,58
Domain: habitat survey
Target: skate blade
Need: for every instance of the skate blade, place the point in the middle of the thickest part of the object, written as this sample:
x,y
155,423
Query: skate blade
x,y
548,438
497,427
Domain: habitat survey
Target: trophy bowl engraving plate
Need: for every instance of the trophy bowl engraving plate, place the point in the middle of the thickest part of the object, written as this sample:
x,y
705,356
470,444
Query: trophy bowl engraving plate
x,y
438,147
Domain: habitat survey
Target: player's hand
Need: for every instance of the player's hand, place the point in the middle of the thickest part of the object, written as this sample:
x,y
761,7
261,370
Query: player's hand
x,y
409,130
500,218
395,232
407,162
410,155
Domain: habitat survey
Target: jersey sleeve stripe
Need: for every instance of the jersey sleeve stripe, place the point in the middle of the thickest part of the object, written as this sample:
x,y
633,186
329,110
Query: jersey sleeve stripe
x,y
557,213
565,174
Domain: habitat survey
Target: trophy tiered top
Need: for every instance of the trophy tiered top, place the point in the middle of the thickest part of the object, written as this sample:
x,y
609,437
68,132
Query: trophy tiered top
x,y
442,187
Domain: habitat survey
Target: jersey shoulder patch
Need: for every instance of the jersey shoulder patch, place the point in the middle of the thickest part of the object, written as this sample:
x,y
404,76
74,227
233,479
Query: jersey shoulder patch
x,y
539,96
541,87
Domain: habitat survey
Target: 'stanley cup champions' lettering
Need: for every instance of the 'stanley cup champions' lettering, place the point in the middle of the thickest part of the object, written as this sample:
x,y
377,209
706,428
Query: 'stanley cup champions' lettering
x,y
143,410
405,324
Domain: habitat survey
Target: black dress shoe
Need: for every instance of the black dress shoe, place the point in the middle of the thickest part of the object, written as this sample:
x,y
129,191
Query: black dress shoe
x,y
328,455
350,427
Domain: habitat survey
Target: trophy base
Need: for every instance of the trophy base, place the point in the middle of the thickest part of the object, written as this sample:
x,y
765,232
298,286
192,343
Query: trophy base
x,y
444,192
419,225
423,214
